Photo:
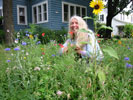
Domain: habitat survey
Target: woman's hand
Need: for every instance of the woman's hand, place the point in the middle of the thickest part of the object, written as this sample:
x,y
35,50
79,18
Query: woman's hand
x,y
65,49
78,50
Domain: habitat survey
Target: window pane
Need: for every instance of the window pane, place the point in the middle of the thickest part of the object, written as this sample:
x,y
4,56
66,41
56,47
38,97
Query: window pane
x,y
21,12
35,14
22,20
83,12
39,13
44,12
78,11
65,12
44,7
45,16
101,17
71,11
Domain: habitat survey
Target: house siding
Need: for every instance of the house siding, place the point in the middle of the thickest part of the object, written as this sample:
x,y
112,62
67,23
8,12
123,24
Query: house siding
x,y
15,3
54,13
56,18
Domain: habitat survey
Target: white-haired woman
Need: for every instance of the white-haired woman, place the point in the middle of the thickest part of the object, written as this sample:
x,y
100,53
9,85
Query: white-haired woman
x,y
85,43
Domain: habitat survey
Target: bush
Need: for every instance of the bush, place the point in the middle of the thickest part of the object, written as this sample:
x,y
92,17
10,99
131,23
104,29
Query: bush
x,y
117,37
128,30
57,35
102,30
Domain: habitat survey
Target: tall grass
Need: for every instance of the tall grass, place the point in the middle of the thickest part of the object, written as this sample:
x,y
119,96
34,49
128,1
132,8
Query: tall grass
x,y
39,72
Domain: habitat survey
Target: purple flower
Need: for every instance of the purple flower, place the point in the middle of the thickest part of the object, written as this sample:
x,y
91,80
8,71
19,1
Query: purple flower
x,y
27,35
8,61
24,43
38,42
7,49
53,55
126,58
16,49
26,32
128,65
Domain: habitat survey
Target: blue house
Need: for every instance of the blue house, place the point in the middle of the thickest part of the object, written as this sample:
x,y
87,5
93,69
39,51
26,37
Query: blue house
x,y
52,14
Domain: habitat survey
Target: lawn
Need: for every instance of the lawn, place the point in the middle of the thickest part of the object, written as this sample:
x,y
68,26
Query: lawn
x,y
30,71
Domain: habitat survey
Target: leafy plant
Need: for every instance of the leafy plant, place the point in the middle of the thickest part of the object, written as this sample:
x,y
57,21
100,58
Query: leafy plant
x,y
128,30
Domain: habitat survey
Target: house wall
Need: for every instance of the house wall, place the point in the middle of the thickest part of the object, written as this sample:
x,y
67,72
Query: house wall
x,y
15,3
54,13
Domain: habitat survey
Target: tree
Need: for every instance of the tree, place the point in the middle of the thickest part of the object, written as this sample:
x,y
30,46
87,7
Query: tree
x,y
114,7
8,21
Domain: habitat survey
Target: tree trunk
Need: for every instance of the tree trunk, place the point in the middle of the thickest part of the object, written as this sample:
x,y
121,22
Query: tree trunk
x,y
8,21
109,23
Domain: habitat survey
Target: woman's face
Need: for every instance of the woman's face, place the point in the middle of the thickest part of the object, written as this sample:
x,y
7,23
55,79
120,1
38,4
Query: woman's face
x,y
74,25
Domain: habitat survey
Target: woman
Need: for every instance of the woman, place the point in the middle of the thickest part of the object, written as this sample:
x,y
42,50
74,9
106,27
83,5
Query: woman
x,y
85,43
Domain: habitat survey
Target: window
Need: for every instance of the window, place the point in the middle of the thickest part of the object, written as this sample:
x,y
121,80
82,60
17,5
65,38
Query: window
x,y
21,15
40,13
69,10
101,17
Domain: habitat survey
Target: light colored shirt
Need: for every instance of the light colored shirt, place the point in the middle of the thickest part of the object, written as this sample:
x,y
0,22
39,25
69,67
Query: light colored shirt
x,y
91,50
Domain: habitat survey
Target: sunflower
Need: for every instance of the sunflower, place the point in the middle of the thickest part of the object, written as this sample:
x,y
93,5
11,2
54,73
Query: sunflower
x,y
97,5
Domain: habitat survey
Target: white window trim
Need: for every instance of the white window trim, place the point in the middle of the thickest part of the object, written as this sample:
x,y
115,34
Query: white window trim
x,y
36,5
25,9
71,4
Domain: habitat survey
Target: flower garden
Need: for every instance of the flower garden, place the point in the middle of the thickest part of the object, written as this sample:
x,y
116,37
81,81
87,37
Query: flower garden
x,y
34,71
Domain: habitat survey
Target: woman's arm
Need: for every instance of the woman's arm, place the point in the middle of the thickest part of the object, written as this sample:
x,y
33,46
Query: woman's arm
x,y
64,48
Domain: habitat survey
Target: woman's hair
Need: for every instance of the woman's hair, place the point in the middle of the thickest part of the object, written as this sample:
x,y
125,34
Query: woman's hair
x,y
80,37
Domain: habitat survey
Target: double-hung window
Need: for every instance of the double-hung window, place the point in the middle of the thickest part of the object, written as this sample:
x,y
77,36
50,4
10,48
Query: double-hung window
x,y
40,12
21,15
69,9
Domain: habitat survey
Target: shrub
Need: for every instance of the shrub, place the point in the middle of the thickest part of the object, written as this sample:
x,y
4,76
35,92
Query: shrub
x,y
102,30
117,37
57,35
128,30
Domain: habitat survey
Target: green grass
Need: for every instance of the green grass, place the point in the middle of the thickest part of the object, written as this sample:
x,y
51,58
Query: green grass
x,y
34,73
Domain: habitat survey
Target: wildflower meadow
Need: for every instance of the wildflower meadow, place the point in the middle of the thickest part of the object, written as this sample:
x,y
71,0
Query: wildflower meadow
x,y
30,70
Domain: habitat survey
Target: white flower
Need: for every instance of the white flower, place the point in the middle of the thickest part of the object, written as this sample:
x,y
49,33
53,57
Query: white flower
x,y
27,53
16,41
68,96
59,93
8,30
37,68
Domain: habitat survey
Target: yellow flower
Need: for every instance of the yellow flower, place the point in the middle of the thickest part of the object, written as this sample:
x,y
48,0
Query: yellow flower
x,y
31,36
42,48
119,42
112,35
132,34
24,57
97,5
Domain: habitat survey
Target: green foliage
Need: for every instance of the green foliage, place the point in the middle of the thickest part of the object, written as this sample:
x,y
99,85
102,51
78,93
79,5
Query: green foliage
x,y
102,30
111,52
50,35
2,36
128,30
117,37
39,72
